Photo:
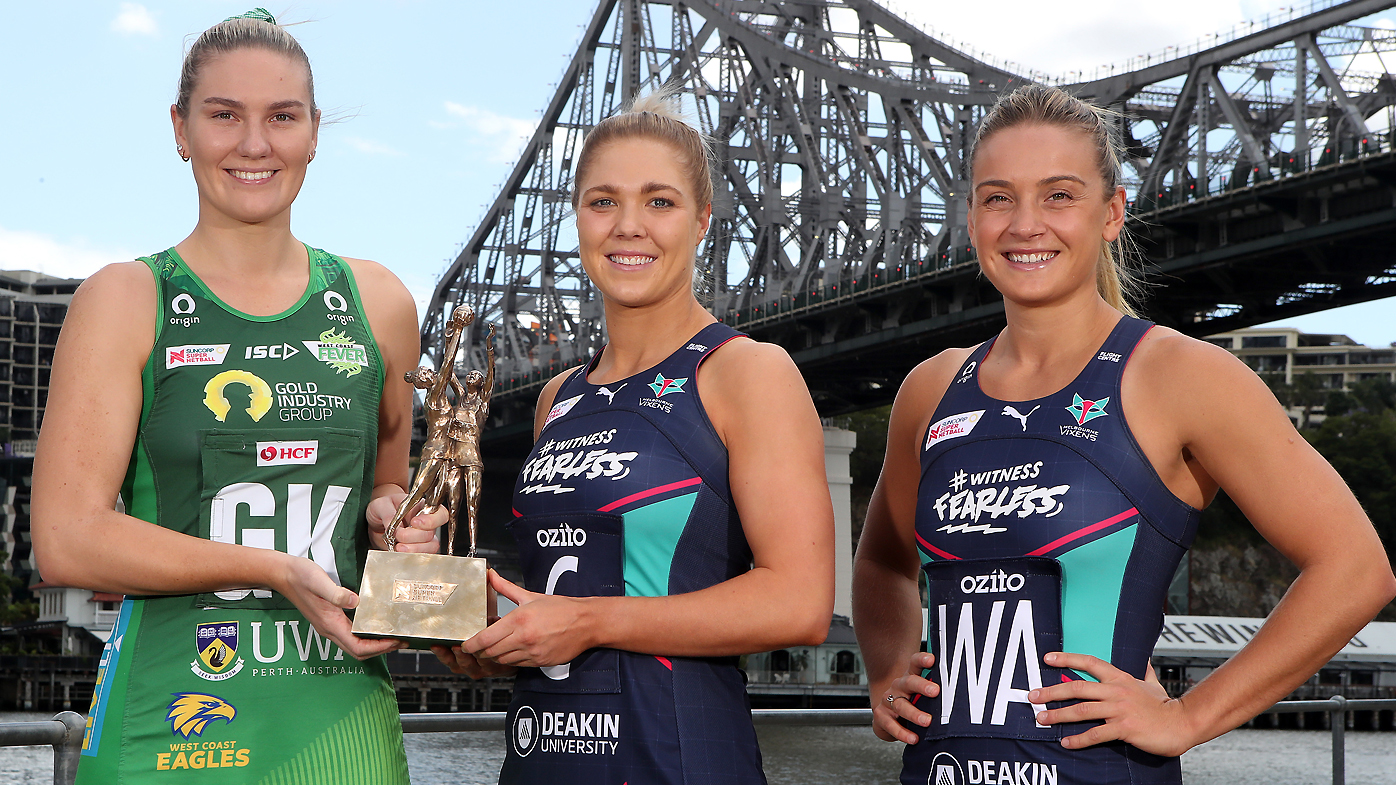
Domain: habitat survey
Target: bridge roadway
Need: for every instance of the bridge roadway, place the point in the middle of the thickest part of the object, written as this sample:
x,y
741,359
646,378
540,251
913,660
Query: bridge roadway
x,y
1302,242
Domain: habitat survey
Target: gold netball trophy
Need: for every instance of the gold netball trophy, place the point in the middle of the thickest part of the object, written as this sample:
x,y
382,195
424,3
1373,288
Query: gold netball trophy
x,y
426,598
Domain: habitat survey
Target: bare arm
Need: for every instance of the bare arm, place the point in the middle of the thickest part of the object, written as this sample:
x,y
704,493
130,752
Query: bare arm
x,y
89,429
1242,440
757,400
886,598
489,370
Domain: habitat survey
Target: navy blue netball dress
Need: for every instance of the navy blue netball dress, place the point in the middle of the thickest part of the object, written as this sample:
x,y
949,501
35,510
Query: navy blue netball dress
x,y
625,494
1041,527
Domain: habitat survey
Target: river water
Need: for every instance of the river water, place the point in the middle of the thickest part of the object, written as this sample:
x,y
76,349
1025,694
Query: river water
x,y
843,756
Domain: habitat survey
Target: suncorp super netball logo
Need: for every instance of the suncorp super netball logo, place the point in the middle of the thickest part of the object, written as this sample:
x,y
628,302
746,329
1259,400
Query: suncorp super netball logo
x,y
287,453
951,427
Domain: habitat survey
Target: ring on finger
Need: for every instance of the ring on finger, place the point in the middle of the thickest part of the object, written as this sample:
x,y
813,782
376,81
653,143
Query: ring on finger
x,y
891,698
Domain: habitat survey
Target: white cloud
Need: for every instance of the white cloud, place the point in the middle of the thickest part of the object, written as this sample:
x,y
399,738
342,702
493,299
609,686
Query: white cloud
x,y
20,250
504,136
134,19
370,147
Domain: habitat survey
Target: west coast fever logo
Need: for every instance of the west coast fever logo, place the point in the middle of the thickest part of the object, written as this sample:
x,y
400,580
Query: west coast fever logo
x,y
1084,411
217,645
217,402
339,352
189,714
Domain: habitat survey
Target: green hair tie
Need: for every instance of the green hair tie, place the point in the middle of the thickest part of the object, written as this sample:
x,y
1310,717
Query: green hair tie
x,y
260,14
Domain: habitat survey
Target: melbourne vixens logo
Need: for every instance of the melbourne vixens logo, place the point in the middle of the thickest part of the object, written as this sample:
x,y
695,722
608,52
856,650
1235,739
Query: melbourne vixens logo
x,y
663,386
1084,411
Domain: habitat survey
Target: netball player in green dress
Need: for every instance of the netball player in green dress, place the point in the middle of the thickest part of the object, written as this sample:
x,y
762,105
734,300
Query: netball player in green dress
x,y
232,390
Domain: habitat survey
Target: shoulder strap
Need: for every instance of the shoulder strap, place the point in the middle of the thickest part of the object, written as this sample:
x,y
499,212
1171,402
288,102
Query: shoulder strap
x,y
1120,346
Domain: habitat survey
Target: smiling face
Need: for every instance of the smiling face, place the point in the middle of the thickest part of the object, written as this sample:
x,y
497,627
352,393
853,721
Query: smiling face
x,y
249,131
1041,213
639,224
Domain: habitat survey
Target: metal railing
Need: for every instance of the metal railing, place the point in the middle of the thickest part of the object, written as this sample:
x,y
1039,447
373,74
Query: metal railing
x,y
65,731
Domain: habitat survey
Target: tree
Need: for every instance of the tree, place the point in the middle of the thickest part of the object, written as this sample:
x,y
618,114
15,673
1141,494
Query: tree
x,y
12,611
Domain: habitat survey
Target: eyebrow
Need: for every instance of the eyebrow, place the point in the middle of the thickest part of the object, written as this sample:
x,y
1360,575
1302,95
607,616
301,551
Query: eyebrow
x,y
647,188
1071,178
290,103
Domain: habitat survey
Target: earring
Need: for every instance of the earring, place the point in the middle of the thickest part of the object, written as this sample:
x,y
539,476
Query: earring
x,y
311,158
179,148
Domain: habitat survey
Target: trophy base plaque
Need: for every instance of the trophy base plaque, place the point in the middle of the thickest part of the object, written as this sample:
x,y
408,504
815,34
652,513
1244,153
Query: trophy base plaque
x,y
424,599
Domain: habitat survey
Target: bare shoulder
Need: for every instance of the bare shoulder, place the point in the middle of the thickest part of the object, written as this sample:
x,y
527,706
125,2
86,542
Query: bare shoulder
x,y
380,289
123,279
744,360
118,297
546,396
925,385
1170,362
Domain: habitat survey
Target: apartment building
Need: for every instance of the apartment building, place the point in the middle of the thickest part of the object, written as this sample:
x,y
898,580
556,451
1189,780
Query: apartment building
x,y
1337,360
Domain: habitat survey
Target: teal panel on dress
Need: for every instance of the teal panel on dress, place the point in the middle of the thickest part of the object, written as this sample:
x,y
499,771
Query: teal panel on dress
x,y
1092,576
651,535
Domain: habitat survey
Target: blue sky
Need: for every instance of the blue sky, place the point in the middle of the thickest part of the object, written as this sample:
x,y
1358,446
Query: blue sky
x,y
435,99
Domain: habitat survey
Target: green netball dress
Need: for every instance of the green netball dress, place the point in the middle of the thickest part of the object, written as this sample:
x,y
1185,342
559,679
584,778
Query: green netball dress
x,y
259,431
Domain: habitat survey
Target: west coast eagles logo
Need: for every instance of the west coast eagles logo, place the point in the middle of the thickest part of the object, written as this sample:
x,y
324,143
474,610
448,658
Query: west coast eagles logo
x,y
217,645
191,712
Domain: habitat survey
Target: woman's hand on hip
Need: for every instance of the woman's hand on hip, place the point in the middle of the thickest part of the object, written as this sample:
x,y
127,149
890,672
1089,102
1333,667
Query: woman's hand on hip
x,y
1136,711
887,714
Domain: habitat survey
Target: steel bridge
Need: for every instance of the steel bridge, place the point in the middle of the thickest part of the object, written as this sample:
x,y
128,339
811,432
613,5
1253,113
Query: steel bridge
x,y
1260,168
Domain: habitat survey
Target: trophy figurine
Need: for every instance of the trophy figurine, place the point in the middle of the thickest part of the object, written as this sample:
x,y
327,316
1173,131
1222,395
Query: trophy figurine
x,y
430,598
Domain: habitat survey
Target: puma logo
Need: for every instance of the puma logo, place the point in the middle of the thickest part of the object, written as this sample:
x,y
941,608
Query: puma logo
x,y
1022,418
611,394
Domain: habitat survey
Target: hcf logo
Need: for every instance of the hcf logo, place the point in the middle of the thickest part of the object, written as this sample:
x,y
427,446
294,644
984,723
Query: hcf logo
x,y
287,453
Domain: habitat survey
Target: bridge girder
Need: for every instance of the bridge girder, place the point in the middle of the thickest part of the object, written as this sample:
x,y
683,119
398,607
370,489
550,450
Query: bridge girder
x,y
841,133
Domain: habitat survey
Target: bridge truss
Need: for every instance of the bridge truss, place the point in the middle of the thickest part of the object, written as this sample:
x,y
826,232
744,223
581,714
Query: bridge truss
x,y
838,219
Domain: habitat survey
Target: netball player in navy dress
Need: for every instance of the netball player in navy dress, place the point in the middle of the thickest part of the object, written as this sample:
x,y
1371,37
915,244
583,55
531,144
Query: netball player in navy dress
x,y
1047,483
673,513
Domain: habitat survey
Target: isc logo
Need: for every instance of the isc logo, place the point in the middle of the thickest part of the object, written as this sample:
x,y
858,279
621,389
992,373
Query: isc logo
x,y
287,453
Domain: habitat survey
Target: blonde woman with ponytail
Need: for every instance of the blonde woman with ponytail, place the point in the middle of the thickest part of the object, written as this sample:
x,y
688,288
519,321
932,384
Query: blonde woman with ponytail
x,y
1048,482
180,383
673,513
